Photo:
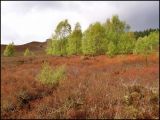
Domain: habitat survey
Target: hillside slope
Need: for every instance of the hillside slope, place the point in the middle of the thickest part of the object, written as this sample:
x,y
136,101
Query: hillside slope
x,y
34,46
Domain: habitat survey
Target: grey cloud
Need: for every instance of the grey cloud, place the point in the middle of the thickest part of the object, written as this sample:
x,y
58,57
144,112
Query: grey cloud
x,y
142,16
139,15
22,7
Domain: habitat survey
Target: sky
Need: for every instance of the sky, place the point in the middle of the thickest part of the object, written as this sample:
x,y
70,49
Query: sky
x,y
26,21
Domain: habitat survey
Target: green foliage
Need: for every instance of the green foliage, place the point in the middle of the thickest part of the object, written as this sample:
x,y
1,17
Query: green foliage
x,y
120,40
141,46
94,41
9,50
59,73
112,49
153,40
57,47
58,44
126,43
63,29
49,76
27,52
113,37
74,41
52,47
147,44
114,28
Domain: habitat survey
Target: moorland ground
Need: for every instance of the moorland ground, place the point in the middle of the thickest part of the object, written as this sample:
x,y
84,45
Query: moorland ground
x,y
94,87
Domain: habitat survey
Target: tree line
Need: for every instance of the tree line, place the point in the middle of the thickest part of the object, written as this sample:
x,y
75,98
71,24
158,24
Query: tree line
x,y
111,38
145,32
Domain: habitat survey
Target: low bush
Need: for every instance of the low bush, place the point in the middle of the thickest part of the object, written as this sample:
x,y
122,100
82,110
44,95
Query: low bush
x,y
49,76
136,97
27,52
9,50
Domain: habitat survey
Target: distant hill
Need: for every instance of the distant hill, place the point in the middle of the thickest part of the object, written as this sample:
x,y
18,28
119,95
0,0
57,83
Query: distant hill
x,y
33,46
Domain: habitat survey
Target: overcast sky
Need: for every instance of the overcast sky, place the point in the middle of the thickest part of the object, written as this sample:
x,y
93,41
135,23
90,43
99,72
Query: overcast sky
x,y
26,21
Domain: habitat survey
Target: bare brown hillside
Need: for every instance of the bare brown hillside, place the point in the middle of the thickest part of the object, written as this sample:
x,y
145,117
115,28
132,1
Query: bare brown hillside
x,y
37,47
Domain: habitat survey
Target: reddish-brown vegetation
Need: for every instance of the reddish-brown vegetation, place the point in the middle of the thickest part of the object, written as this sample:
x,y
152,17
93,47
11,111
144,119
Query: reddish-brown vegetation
x,y
96,87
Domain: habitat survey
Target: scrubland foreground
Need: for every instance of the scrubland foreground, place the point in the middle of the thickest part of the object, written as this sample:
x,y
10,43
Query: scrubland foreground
x,y
93,87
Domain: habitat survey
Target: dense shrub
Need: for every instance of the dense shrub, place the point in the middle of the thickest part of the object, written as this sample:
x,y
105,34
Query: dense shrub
x,y
94,41
49,76
126,43
57,47
9,50
147,44
74,41
51,47
112,50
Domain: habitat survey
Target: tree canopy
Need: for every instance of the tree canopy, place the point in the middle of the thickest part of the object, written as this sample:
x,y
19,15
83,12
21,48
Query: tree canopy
x,y
58,44
74,40
112,37
94,41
